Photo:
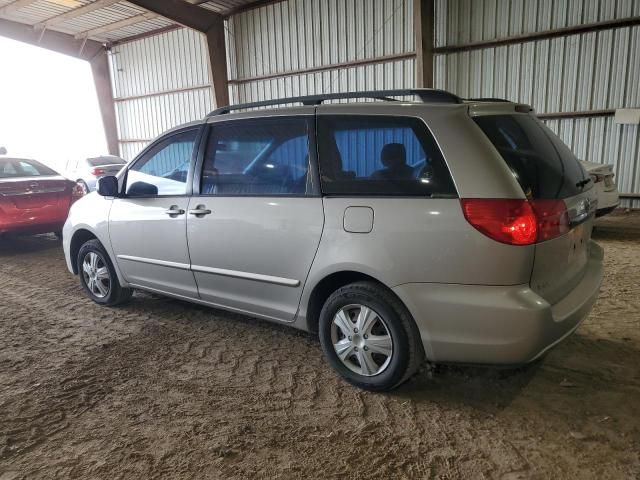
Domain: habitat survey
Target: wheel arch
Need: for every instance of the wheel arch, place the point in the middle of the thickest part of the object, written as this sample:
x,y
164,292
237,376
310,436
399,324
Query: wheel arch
x,y
82,235
329,284
79,238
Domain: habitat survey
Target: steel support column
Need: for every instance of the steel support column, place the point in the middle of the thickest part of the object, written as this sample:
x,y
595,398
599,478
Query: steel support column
x,y
424,20
209,23
102,81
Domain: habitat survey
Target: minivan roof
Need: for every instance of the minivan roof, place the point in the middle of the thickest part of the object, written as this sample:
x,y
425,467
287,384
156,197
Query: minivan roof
x,y
425,96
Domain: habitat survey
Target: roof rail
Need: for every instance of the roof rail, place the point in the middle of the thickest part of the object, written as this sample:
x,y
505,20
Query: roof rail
x,y
424,94
487,99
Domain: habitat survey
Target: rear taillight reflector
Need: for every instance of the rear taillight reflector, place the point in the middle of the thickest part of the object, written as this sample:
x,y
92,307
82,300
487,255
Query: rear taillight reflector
x,y
516,222
98,171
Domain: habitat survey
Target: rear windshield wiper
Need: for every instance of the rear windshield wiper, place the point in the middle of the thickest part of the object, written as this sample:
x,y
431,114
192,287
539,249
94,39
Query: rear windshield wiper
x,y
582,183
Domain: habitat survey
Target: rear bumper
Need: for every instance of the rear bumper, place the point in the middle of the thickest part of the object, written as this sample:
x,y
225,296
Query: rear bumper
x,y
608,200
506,325
605,211
30,226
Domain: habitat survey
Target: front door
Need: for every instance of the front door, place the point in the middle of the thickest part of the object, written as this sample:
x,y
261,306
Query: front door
x,y
148,225
255,226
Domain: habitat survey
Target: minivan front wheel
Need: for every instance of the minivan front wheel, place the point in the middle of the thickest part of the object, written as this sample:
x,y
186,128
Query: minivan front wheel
x,y
98,277
369,337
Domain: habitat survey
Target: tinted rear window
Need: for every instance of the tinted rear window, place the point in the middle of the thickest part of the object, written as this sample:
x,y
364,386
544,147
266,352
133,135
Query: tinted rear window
x,y
542,164
17,167
102,161
380,155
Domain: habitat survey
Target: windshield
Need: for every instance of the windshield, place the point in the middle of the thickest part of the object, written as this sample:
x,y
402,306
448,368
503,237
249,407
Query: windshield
x,y
542,164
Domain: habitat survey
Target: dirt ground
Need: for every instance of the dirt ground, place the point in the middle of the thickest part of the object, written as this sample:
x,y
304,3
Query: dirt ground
x,y
163,389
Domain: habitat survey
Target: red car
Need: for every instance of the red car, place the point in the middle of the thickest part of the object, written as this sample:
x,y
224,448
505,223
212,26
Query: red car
x,y
33,198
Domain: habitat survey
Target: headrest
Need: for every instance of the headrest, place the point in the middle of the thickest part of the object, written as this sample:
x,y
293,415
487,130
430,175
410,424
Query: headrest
x,y
393,154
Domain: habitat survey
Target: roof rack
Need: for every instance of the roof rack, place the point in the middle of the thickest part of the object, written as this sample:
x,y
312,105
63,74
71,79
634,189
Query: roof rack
x,y
424,94
487,99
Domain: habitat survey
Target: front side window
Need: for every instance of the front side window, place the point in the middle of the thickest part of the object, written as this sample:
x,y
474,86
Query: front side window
x,y
380,155
258,157
164,169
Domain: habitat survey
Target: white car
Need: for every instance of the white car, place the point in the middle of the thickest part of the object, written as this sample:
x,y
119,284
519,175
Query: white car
x,y
87,171
605,187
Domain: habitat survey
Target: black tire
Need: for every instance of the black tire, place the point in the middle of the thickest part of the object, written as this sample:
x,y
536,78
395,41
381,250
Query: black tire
x,y
115,294
407,353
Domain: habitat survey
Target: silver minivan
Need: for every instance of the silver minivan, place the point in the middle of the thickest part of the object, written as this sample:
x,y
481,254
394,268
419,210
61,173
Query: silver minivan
x,y
397,230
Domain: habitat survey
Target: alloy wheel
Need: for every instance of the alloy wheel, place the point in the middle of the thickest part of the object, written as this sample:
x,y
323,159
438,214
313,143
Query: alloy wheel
x,y
96,275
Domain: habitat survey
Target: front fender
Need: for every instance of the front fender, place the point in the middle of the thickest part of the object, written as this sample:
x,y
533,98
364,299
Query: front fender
x,y
89,214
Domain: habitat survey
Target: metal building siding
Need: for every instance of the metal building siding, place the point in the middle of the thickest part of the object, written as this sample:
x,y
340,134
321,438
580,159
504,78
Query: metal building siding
x,y
296,35
396,74
159,82
590,71
464,21
600,140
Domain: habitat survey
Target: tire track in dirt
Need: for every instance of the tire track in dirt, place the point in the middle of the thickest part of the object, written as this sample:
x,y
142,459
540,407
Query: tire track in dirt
x,y
161,388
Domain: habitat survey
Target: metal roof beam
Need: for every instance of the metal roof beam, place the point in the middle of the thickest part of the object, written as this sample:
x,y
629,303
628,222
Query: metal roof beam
x,y
17,5
187,14
51,40
76,12
207,22
116,25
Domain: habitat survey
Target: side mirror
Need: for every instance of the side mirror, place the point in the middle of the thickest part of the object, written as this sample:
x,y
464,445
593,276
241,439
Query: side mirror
x,y
3,151
107,186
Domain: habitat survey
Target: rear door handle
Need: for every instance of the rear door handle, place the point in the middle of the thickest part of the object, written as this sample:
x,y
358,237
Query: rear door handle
x,y
200,211
174,211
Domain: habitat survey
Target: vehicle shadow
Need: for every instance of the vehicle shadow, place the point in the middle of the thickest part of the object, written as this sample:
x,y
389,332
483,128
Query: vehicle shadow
x,y
18,245
578,369
620,235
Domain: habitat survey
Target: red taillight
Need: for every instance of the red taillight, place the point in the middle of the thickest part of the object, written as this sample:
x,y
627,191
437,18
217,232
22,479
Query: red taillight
x,y
506,221
98,171
517,222
553,218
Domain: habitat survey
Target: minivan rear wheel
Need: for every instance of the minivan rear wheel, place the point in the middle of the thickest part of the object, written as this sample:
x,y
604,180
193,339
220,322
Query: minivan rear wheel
x,y
98,276
369,337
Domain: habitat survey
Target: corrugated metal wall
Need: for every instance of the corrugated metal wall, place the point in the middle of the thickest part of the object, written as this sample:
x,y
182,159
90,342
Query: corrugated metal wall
x,y
278,41
284,38
591,71
159,82
164,80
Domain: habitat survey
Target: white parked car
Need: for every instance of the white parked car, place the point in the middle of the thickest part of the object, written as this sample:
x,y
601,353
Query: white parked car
x,y
605,187
88,170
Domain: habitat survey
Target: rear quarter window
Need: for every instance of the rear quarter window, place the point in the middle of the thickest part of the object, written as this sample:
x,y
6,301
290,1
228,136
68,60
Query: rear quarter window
x,y
380,155
544,166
